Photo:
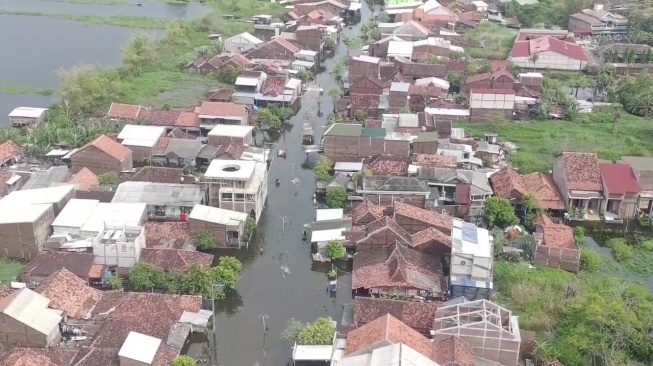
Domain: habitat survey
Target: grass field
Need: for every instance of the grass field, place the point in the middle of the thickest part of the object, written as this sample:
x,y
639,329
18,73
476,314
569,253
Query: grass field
x,y
495,41
9,271
539,142
10,89
118,20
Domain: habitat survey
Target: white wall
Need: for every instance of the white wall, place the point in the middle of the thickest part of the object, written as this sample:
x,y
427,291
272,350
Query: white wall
x,y
122,253
550,60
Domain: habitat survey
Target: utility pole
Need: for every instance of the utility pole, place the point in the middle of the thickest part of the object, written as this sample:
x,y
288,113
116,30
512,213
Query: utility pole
x,y
214,351
265,332
283,222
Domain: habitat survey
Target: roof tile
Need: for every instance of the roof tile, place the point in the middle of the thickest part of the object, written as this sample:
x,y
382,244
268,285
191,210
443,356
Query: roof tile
x,y
84,180
108,146
581,171
8,150
432,218
69,293
417,315
619,178
175,259
386,329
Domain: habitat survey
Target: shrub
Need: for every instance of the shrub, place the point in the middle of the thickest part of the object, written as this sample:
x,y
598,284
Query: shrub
x,y
336,197
336,250
323,168
579,235
647,245
108,179
590,261
622,251
204,240
183,360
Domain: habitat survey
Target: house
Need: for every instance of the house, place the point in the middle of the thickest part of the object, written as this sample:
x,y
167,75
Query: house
x,y
388,190
164,200
366,212
175,260
500,339
186,121
177,152
10,153
27,320
414,219
597,21
578,178
27,116
507,183
158,174
350,142
227,227
426,49
212,114
240,43
328,6
412,30
277,48
501,79
141,140
472,262
238,185
553,52
388,165
366,84
121,111
168,234
364,65
554,245
53,176
70,294
402,49
9,182
217,63
102,155
398,269
85,219
435,161
620,191
118,245
417,315
433,15
225,135
310,38
491,104
643,170
425,143
44,264
84,180
456,187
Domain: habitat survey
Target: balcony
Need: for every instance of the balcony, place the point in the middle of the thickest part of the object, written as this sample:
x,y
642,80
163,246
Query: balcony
x,y
609,29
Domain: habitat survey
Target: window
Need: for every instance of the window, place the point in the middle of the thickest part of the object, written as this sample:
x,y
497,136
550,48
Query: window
x,y
185,210
249,197
239,197
226,197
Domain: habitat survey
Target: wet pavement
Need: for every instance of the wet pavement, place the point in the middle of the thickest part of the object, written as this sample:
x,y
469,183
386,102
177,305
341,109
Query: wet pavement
x,y
266,295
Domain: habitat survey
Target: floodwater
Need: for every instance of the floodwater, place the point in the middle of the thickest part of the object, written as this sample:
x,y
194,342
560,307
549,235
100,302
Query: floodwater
x,y
182,11
265,296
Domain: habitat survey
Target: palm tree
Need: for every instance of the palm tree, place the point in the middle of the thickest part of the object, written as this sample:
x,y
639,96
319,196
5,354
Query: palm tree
x,y
534,57
335,94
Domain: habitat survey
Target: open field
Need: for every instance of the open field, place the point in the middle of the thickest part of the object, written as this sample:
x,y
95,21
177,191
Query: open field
x,y
539,142
119,20
9,271
10,89
495,41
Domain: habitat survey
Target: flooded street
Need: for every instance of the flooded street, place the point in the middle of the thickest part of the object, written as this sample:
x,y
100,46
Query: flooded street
x,y
263,292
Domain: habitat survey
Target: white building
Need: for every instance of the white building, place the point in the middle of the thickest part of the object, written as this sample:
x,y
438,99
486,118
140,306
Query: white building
x,y
84,219
238,185
27,116
119,246
141,140
241,43
552,52
138,349
472,261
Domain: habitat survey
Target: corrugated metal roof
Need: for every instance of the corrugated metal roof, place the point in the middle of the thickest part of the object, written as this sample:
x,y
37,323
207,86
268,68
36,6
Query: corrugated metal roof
x,y
344,129
31,309
217,215
373,132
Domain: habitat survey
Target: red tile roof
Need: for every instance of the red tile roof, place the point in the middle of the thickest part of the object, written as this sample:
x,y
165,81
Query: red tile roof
x,y
221,109
159,117
555,235
175,259
85,180
386,330
453,351
69,293
428,217
8,150
166,234
440,161
543,187
417,315
274,85
109,147
389,165
581,171
366,208
619,178
548,43
124,111
47,263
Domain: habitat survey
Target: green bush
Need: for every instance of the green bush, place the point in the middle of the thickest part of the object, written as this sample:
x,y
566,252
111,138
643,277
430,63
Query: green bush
x,y
590,261
336,197
336,250
204,240
108,179
622,251
647,245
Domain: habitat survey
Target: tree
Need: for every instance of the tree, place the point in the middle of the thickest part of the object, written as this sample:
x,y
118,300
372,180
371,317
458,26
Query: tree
x,y
87,90
265,117
183,360
229,74
108,179
304,76
139,54
383,17
115,282
335,249
204,240
335,94
336,197
146,276
227,272
498,211
319,332
533,209
579,235
534,58
322,169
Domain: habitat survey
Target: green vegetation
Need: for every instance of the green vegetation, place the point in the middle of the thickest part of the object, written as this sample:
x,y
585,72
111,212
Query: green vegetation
x,y
115,283
636,94
590,261
534,209
332,274
204,240
108,179
9,270
118,20
273,118
336,197
498,211
9,89
319,332
198,280
322,169
250,226
490,40
585,318
335,249
229,74
621,250
183,360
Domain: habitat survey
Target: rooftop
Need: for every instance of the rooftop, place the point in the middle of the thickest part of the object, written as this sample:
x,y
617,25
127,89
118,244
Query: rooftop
x,y
166,234
8,150
84,180
469,239
231,130
172,260
385,330
76,212
394,184
158,194
417,315
231,169
581,171
366,208
139,347
220,109
217,215
555,235
124,111
47,263
619,178
31,309
344,129
431,218
27,112
109,147
69,293
140,135
158,174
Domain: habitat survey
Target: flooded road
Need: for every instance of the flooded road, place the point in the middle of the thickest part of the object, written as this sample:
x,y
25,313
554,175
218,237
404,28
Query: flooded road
x,y
263,291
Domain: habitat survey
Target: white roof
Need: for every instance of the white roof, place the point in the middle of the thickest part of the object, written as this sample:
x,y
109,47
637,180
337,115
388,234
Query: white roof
x,y
473,240
327,235
312,353
348,167
531,74
75,213
430,5
58,152
246,81
355,6
250,38
31,309
217,215
303,63
140,347
400,48
448,112
479,4
137,135
393,354
370,59
398,11
39,195
27,112
114,213
230,169
16,213
306,53
293,83
325,214
231,130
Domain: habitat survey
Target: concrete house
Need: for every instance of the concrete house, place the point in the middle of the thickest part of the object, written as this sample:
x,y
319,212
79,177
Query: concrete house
x,y
385,191
507,183
472,262
597,21
102,155
501,79
47,263
27,116
119,245
489,104
240,43
554,245
27,320
366,84
141,140
643,170
351,142
277,48
555,51
578,178
86,218
238,185
164,201
226,226
225,135
364,65
212,114
620,191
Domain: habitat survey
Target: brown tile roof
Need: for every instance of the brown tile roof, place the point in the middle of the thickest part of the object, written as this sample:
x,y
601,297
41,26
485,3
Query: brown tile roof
x,y
5,175
366,208
124,111
453,351
159,117
426,216
506,182
84,180
417,315
428,235
398,266
221,109
478,77
25,357
179,134
383,223
543,187
221,95
274,85
47,263
166,234
386,330
158,175
109,147
440,161
389,165
69,293
187,119
163,143
100,356
232,152
581,171
420,70
145,313
555,235
175,259
8,150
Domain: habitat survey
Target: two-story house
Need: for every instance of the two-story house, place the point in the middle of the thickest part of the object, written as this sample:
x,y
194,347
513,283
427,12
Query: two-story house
x,y
165,201
212,114
597,21
578,178
620,191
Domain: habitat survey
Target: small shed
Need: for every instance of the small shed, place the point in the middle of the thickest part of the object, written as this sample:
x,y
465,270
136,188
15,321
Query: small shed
x,y
347,167
27,116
